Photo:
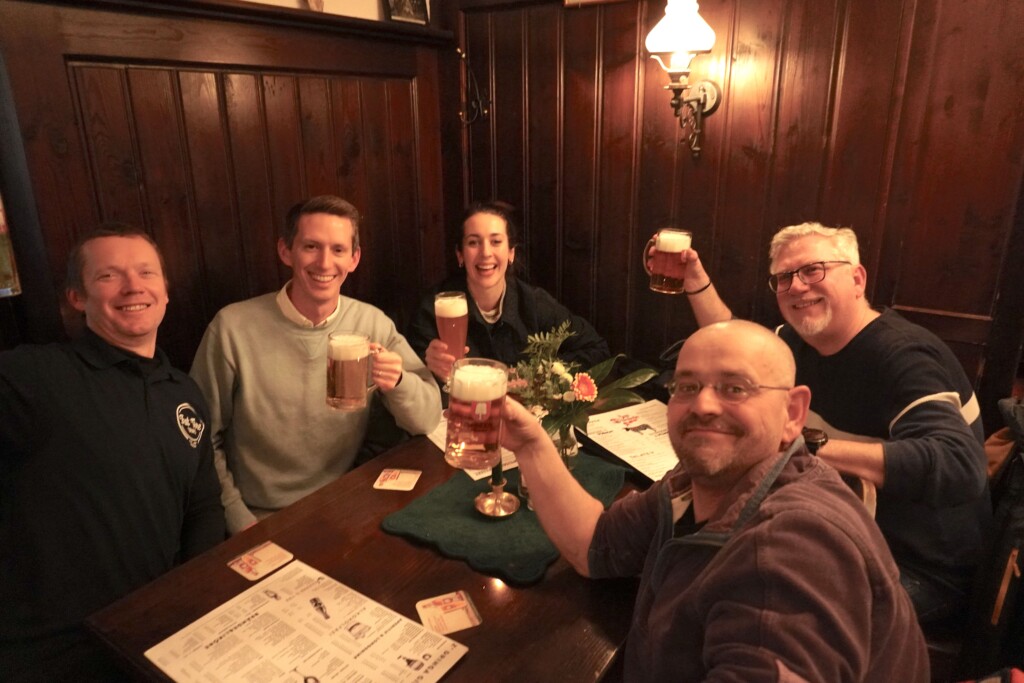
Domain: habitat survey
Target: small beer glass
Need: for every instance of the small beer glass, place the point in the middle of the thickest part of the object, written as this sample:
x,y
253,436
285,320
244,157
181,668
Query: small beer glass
x,y
663,265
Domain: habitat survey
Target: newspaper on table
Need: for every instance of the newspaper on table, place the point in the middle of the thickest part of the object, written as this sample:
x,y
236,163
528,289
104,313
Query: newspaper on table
x,y
301,625
637,435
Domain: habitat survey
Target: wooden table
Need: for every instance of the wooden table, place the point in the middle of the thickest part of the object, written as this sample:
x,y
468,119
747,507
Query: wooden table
x,y
564,628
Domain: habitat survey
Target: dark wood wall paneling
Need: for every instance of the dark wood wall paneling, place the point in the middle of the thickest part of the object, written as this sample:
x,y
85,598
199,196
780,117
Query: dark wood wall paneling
x,y
204,126
892,118
205,130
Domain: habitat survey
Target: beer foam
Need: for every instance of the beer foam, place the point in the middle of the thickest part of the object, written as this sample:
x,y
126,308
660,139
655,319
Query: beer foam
x,y
450,307
478,383
348,347
672,242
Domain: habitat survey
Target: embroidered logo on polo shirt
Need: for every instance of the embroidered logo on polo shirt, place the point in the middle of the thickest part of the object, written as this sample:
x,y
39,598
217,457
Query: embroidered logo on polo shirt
x,y
190,424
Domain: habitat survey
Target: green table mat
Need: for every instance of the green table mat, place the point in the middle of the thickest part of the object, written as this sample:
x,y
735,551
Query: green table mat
x,y
513,548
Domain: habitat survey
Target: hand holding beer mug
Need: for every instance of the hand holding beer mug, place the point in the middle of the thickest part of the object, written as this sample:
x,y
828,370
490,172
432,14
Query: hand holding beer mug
x,y
475,405
664,264
452,314
348,371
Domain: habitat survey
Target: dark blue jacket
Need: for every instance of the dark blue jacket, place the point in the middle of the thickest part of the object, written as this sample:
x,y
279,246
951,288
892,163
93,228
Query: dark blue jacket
x,y
526,310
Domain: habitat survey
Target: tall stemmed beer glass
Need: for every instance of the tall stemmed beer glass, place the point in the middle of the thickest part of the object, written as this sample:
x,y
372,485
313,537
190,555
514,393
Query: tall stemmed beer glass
x,y
475,405
452,314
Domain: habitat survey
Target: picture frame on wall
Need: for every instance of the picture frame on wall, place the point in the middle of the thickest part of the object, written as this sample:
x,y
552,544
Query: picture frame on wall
x,y
410,11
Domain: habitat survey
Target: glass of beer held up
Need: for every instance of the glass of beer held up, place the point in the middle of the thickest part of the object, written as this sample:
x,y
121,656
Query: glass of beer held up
x,y
663,265
452,314
476,400
348,371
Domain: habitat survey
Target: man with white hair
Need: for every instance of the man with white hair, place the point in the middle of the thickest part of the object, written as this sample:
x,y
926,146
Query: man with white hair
x,y
893,403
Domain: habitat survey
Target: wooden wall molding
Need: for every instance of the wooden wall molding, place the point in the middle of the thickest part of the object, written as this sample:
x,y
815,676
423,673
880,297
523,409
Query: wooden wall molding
x,y
204,129
239,11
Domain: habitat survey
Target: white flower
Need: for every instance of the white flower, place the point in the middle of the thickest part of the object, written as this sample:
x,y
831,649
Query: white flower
x,y
569,396
559,370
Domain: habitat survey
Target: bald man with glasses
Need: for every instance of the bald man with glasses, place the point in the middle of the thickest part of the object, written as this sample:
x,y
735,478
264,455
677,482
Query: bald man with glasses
x,y
756,562
893,403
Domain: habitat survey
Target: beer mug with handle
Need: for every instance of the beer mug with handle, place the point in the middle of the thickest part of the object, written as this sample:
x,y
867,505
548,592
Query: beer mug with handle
x,y
349,365
663,264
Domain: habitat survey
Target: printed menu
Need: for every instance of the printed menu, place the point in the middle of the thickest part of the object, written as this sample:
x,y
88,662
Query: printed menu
x,y
637,435
301,625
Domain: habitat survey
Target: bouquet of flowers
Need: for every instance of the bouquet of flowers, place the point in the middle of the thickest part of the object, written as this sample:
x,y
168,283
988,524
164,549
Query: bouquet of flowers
x,y
561,395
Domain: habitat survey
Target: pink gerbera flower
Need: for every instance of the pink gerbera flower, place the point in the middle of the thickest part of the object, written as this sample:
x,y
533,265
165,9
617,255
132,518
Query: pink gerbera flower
x,y
584,388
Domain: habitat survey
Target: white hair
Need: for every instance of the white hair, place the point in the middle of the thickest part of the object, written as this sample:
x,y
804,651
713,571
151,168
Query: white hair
x,y
843,240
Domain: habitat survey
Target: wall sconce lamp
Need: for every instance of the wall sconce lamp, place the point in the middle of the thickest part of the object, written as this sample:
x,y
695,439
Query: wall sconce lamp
x,y
674,42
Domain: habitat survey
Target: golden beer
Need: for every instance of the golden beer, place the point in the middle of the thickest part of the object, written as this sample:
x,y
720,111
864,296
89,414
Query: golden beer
x,y
475,406
664,267
348,371
452,314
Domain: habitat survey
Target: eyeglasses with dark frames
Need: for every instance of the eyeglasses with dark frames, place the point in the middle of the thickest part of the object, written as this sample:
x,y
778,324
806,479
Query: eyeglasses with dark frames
x,y
730,391
808,274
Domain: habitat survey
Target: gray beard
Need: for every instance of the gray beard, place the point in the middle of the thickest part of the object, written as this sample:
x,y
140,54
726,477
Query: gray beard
x,y
812,328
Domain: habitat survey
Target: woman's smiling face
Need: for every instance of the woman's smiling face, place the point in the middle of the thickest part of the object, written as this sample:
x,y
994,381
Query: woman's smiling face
x,y
485,252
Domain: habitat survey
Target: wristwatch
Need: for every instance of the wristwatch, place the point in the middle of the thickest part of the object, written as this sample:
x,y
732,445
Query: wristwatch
x,y
814,439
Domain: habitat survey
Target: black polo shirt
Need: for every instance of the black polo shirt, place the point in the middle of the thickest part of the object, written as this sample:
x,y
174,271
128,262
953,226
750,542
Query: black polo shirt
x,y
106,482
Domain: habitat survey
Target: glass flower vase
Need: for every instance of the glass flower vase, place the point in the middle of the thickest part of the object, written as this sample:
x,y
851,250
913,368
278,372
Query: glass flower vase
x,y
567,446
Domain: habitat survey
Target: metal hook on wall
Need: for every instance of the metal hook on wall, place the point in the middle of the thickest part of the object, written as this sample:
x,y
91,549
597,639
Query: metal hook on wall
x,y
476,106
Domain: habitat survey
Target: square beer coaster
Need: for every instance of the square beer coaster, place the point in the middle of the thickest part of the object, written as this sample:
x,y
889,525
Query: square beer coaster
x,y
448,613
397,480
259,561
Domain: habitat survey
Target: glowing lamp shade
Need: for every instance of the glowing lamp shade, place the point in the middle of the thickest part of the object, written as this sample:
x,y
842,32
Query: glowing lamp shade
x,y
681,34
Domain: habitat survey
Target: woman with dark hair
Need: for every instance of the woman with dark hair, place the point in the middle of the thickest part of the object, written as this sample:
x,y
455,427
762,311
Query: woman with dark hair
x,y
503,309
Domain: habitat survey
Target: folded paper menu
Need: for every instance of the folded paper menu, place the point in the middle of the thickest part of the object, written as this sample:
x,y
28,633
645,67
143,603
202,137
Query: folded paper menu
x,y
300,624
637,435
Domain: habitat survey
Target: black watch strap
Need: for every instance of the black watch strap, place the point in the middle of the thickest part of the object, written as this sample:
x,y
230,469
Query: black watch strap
x,y
814,439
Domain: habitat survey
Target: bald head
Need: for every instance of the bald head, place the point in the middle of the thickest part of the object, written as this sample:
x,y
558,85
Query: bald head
x,y
755,344
740,407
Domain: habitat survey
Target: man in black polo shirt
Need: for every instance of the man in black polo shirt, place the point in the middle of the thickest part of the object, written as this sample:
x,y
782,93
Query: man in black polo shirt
x,y
106,470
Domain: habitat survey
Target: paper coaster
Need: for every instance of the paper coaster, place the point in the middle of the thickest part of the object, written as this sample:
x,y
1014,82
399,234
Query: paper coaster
x,y
448,613
259,561
397,480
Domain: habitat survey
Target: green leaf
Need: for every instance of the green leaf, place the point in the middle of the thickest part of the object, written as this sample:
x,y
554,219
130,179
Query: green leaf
x,y
601,370
545,345
633,379
552,423
616,399
580,420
